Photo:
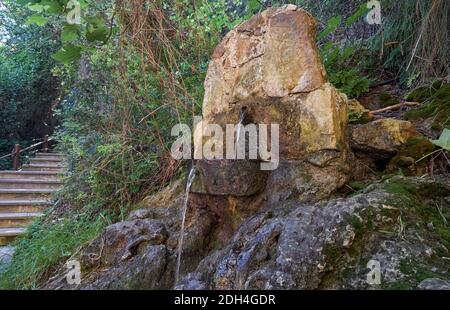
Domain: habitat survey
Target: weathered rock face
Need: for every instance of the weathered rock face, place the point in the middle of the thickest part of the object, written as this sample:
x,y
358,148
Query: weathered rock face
x,y
434,284
303,182
273,55
285,245
222,177
270,67
141,252
329,245
6,255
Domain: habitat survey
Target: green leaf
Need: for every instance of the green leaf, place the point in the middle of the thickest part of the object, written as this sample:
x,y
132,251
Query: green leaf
x,y
52,6
70,33
37,19
68,53
327,47
83,4
444,140
332,25
96,29
253,5
36,7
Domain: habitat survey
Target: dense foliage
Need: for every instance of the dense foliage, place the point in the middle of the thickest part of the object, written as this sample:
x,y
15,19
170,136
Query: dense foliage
x,y
28,89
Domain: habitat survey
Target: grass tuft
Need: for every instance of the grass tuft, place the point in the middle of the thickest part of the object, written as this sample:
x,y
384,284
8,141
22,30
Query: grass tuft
x,y
45,246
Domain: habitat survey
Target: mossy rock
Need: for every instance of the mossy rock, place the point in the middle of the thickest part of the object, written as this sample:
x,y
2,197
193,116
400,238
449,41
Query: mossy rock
x,y
360,118
358,114
404,242
406,159
399,286
417,147
436,105
416,272
357,186
426,206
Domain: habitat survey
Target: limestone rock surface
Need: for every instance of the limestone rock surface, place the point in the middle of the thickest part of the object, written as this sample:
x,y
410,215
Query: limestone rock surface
x,y
269,67
384,136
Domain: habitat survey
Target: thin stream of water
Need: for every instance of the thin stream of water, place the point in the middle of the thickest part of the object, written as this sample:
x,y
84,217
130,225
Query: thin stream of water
x,y
190,181
238,132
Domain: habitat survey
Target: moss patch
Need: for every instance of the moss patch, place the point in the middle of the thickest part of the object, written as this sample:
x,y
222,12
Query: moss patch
x,y
426,206
416,273
387,100
436,105
422,204
358,114
400,189
399,286
414,204
357,186
413,150
423,93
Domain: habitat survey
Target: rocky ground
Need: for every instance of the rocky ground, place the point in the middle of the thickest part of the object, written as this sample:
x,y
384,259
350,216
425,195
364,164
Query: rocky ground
x,y
6,254
400,223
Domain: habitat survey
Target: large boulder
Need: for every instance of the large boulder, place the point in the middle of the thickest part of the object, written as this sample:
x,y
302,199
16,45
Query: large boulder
x,y
270,68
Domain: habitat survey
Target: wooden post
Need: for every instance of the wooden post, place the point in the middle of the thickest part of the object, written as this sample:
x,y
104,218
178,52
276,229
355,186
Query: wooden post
x,y
16,157
46,148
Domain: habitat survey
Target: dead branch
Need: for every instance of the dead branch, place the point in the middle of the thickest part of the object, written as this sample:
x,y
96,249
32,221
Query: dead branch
x,y
396,107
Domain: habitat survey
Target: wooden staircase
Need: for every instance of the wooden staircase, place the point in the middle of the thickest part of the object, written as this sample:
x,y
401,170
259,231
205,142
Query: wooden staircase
x,y
26,193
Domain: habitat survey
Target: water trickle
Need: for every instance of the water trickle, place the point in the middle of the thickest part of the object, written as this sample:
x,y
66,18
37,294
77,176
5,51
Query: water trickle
x,y
242,115
190,181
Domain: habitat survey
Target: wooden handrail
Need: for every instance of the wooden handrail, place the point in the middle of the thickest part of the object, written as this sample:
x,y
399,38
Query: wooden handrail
x,y
17,151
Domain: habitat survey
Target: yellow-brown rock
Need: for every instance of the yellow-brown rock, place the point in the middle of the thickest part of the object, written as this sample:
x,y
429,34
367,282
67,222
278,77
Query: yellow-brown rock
x,y
269,66
273,55
384,136
358,114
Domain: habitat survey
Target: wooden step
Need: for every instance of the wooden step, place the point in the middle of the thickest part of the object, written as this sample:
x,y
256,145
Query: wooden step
x,y
54,168
46,161
53,155
59,164
25,194
60,158
30,184
16,206
18,219
8,235
31,175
